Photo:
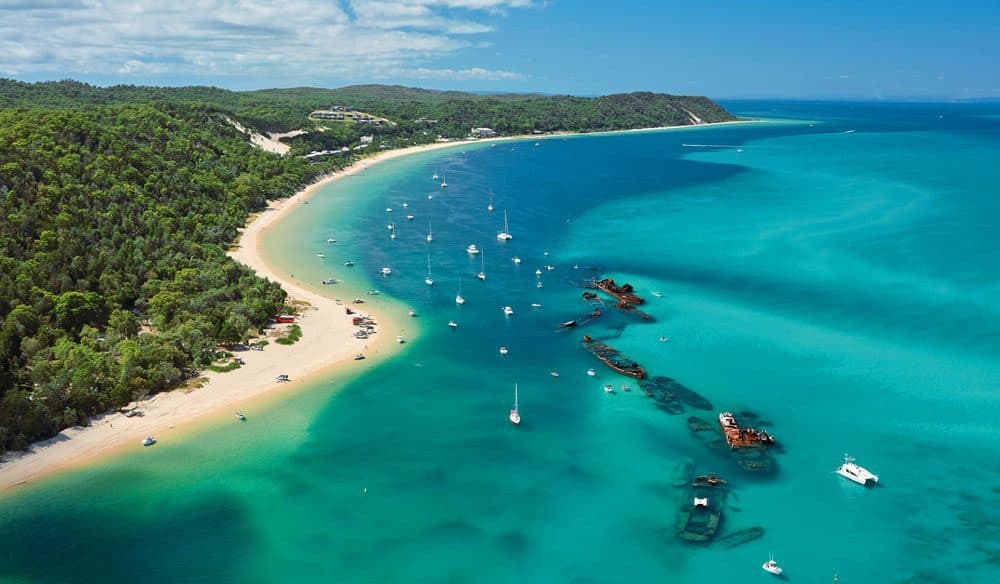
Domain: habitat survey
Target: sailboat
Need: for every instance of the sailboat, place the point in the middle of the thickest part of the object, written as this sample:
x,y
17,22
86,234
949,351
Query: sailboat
x,y
458,297
444,183
430,234
482,273
490,206
429,280
515,415
505,234
435,177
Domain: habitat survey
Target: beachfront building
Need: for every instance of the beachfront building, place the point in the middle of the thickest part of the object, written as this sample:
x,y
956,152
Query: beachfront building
x,y
483,132
367,139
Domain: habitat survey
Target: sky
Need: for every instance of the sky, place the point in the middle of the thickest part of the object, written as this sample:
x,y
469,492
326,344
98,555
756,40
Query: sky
x,y
848,49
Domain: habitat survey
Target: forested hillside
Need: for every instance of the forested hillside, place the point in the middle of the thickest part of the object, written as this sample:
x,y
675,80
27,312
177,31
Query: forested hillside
x,y
117,205
116,217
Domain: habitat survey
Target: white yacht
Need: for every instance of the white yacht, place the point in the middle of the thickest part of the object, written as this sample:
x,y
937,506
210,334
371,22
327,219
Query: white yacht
x,y
772,567
554,373
459,299
505,234
535,305
856,473
508,311
515,415
386,271
472,249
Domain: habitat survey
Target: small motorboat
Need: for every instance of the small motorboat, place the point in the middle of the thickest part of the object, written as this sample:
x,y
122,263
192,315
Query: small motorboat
x,y
409,217
349,263
516,260
472,249
320,255
400,339
568,324
331,240
657,293
772,567
508,311
372,292
591,372
330,280
504,350
554,373
535,305
538,284
857,473
388,209
405,204
148,441
626,387
412,312
452,324
550,267
609,389
664,340
386,271
241,416
359,357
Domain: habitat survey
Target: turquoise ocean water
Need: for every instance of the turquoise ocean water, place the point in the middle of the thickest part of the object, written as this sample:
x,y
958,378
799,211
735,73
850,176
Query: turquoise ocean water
x,y
840,284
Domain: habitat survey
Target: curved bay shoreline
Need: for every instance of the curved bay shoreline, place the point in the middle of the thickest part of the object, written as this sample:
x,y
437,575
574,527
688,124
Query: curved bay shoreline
x,y
326,347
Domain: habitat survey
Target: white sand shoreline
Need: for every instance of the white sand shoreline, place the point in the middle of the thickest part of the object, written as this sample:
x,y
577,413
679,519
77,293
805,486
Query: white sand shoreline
x,y
327,344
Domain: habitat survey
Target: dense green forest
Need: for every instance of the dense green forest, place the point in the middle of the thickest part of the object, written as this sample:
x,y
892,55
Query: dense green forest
x,y
118,205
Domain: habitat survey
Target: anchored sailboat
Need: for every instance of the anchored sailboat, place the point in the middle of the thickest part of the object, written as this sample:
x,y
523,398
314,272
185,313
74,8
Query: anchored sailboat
x,y
430,233
505,234
515,415
490,206
482,271
458,297
429,280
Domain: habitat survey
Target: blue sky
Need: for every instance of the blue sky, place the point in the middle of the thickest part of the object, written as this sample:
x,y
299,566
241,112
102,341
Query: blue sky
x,y
753,48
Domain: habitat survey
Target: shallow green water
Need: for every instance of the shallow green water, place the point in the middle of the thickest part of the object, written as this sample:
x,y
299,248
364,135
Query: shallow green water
x,y
842,285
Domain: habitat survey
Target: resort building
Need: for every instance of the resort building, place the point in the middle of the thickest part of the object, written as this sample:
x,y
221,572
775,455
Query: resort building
x,y
483,132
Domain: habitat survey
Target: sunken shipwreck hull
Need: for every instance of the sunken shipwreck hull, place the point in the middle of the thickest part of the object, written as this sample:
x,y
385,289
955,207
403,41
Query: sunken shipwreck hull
x,y
614,359
758,460
700,515
671,396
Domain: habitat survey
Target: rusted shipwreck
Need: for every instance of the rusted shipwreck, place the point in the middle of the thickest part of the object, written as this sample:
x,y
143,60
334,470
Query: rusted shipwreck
x,y
614,359
625,294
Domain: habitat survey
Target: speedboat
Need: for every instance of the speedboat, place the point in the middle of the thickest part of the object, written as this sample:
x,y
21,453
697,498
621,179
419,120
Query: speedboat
x,y
591,372
609,389
856,473
508,311
772,567
554,373
386,271
241,416
400,339
504,350
472,249
148,441
348,263
452,324
550,267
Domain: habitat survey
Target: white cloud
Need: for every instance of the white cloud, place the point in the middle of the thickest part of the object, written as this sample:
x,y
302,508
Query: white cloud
x,y
295,38
473,73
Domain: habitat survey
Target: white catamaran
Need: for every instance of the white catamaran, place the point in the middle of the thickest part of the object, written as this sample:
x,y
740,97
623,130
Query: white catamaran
x,y
505,234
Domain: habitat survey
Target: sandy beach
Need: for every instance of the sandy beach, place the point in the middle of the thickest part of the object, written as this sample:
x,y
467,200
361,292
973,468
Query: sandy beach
x,y
327,344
